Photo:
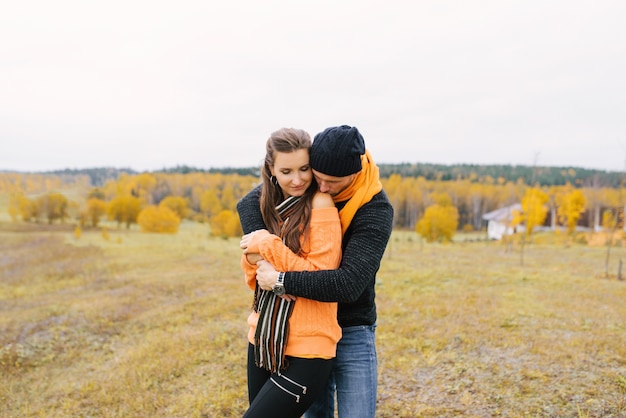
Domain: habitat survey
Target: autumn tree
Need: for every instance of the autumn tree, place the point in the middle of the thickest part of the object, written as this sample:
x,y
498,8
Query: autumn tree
x,y
406,196
54,206
226,224
97,193
571,206
534,210
532,214
440,220
142,186
394,193
124,209
14,205
158,219
228,198
96,209
176,204
28,209
210,204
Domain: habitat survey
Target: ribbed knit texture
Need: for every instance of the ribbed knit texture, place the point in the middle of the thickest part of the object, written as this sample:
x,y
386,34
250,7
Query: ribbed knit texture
x,y
353,283
313,327
337,151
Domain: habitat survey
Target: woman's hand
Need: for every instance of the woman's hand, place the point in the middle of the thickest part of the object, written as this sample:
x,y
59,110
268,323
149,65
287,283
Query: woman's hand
x,y
253,258
245,240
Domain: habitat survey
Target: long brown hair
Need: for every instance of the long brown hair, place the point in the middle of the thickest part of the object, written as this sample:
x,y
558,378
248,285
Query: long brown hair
x,y
286,140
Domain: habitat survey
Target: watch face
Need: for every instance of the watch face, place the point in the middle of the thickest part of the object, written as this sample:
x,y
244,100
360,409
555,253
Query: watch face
x,y
279,290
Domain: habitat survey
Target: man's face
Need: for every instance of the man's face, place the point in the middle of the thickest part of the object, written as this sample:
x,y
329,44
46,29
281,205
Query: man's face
x,y
332,185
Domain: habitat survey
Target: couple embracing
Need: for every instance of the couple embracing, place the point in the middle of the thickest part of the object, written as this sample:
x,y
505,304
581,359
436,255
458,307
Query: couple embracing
x,y
316,229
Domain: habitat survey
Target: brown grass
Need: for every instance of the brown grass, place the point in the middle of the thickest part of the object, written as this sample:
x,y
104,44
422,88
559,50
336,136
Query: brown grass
x,y
145,325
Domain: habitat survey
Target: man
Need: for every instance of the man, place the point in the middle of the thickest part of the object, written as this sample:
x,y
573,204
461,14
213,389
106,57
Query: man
x,y
344,169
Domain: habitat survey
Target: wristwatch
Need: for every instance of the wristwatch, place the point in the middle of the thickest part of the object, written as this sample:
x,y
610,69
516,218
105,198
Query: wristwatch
x,y
279,287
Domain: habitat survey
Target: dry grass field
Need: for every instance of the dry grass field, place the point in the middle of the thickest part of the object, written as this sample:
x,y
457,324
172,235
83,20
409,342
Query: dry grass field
x,y
146,325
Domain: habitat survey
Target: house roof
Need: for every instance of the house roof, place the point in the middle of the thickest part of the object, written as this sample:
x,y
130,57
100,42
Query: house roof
x,y
503,214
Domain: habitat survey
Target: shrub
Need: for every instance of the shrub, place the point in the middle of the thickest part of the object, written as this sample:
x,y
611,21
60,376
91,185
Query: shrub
x,y
158,219
177,204
226,224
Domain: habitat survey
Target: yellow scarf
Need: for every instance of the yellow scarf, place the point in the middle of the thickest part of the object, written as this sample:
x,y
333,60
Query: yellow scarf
x,y
366,184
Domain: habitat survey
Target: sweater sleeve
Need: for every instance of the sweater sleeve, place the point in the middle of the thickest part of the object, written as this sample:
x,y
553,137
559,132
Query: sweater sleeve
x,y
324,244
251,220
249,271
364,245
249,211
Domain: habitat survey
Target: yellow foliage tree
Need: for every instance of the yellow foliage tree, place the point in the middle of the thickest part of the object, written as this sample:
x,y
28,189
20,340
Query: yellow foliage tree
x,y
97,193
28,208
226,224
440,220
571,206
54,206
158,219
228,199
609,221
177,204
14,205
534,210
124,209
142,186
210,204
96,209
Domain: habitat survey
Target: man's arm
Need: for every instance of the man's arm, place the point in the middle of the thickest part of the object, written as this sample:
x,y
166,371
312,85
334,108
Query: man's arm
x,y
364,246
249,211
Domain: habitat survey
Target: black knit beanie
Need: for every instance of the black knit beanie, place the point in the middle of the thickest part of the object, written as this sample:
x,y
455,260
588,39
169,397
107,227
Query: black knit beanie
x,y
337,151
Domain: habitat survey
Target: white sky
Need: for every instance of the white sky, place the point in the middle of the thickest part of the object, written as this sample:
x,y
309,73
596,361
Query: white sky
x,y
149,84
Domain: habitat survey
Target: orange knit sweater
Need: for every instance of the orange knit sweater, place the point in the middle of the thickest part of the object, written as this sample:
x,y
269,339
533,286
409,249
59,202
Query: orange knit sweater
x,y
313,327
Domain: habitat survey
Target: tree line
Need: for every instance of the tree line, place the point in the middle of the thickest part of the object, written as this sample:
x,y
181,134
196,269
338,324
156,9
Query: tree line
x,y
211,197
156,201
532,175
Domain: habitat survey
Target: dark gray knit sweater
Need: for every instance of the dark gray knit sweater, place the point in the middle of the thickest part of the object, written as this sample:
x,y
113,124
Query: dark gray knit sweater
x,y
352,284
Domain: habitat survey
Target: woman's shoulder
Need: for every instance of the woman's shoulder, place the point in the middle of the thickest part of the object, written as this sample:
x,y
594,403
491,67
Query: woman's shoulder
x,y
322,200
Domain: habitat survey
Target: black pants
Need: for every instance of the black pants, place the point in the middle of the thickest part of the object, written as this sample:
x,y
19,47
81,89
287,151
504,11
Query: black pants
x,y
289,394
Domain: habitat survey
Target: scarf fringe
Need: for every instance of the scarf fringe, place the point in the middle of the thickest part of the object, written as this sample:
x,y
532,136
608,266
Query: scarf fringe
x,y
272,330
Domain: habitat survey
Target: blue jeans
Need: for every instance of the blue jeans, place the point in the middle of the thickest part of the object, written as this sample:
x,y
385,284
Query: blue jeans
x,y
354,377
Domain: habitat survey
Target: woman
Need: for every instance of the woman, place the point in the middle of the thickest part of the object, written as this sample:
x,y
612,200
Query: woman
x,y
292,342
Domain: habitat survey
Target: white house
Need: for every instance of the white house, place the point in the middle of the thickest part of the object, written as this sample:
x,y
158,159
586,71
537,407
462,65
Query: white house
x,y
499,221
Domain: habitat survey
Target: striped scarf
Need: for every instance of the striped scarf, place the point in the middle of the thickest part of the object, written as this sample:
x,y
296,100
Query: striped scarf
x,y
272,330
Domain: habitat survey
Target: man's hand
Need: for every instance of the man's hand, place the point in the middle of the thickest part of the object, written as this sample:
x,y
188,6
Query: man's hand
x,y
266,275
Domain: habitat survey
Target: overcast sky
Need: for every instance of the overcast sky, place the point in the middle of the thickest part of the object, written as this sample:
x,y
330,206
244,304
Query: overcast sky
x,y
150,84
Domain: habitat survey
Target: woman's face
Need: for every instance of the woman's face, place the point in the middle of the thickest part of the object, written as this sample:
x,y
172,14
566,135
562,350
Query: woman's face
x,y
292,171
